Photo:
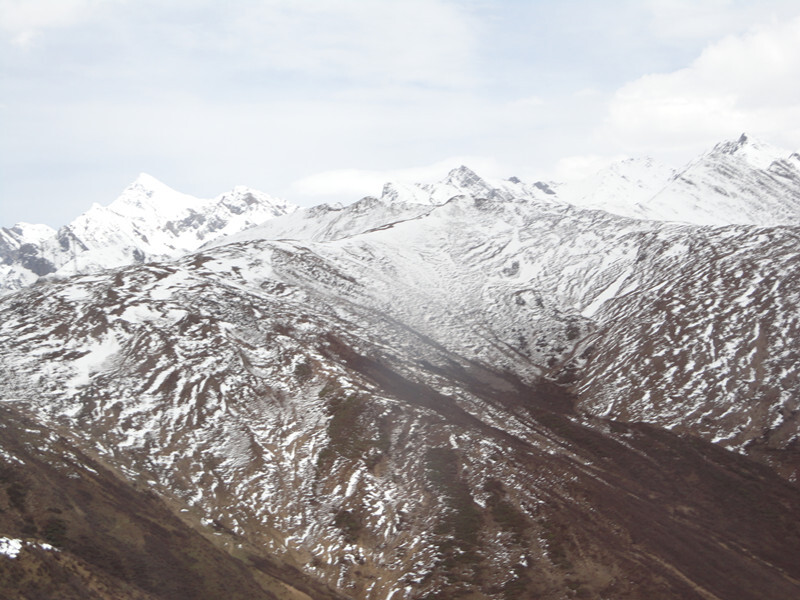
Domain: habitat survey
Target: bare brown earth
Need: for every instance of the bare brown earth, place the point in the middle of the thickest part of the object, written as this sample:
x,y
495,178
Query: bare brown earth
x,y
112,541
645,513
609,510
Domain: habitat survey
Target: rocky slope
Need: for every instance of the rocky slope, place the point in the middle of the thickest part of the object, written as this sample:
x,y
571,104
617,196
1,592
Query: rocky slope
x,y
73,529
470,389
373,457
687,327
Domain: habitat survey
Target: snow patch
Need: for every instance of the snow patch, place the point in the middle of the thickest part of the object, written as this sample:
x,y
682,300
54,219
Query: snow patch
x,y
90,363
606,294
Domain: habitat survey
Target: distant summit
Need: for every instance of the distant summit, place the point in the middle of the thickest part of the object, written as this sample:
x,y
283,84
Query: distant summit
x,y
148,221
759,154
737,182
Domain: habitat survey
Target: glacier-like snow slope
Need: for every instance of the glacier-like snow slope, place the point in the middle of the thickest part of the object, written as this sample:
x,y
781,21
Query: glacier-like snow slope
x,y
620,188
742,182
148,221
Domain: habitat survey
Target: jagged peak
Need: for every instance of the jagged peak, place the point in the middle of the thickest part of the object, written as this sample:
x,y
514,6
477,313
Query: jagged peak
x,y
242,196
32,231
756,152
463,176
145,181
244,191
731,146
147,197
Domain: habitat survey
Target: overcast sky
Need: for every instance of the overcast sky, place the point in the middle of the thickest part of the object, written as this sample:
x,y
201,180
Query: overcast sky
x,y
324,100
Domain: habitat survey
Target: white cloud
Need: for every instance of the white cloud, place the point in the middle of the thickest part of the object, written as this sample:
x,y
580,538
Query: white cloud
x,y
526,103
429,42
23,20
748,82
376,42
686,20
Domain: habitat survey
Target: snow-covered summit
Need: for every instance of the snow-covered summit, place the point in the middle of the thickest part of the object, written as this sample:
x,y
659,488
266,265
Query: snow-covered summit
x,y
148,221
467,180
620,187
29,232
147,196
757,153
463,181
733,184
738,182
459,181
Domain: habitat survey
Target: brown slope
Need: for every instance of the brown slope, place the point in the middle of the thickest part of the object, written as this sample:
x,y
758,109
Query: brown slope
x,y
643,512
110,540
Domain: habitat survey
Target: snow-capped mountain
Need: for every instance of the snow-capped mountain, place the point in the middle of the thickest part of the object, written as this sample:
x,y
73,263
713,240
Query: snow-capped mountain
x,y
742,182
398,202
471,388
621,188
498,394
149,221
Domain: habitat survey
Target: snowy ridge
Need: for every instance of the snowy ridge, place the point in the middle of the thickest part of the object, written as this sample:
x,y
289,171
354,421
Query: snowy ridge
x,y
742,182
620,189
306,395
737,182
459,378
148,221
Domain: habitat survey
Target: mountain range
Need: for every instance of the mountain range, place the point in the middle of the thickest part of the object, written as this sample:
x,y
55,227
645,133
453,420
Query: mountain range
x,y
466,389
149,221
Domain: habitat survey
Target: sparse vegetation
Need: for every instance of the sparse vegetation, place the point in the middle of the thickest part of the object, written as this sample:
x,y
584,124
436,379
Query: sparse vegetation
x,y
507,516
461,522
303,371
350,524
350,434
54,531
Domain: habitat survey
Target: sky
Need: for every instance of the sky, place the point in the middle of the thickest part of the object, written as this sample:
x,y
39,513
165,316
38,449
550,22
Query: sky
x,y
325,100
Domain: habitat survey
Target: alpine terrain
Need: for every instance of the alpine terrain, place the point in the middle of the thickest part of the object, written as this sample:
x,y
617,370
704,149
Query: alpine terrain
x,y
466,389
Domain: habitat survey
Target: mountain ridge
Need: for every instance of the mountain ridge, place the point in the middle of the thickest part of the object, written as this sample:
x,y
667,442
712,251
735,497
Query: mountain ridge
x,y
148,221
741,181
500,395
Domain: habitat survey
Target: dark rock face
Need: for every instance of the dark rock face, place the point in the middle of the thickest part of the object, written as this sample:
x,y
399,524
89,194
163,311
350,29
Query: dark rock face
x,y
30,259
27,255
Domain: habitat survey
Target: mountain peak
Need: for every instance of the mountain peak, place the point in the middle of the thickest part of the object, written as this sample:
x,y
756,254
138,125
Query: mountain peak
x,y
242,199
464,177
149,185
732,147
147,196
147,180
759,154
